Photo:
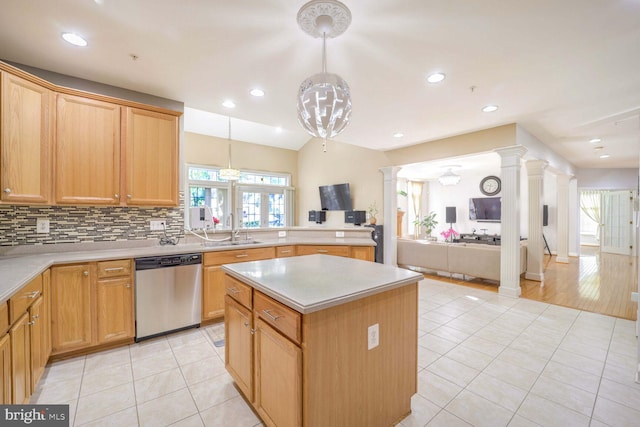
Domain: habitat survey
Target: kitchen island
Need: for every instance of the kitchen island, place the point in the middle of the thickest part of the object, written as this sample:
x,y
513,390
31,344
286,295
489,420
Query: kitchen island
x,y
322,340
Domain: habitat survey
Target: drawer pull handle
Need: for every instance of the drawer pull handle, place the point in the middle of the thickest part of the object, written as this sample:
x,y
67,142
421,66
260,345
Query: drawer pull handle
x,y
33,294
31,323
242,256
285,252
323,251
112,269
268,313
233,290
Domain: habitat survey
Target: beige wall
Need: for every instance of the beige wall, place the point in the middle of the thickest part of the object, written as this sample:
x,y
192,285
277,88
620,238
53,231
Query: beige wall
x,y
342,163
460,145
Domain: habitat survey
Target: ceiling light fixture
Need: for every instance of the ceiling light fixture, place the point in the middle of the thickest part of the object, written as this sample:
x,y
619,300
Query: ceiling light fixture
x,y
324,99
229,173
398,135
435,77
257,92
74,39
229,104
595,140
605,156
489,108
449,178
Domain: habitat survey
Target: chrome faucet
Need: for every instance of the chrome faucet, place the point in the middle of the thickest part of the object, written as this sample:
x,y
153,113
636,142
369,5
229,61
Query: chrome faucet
x,y
234,232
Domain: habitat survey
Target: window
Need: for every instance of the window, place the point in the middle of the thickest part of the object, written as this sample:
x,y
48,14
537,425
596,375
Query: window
x,y
263,200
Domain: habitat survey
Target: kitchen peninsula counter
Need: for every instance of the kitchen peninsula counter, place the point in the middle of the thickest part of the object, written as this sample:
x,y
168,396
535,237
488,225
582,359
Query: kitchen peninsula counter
x,y
335,339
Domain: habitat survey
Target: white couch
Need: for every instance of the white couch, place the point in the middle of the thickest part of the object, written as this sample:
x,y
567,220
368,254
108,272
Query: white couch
x,y
470,259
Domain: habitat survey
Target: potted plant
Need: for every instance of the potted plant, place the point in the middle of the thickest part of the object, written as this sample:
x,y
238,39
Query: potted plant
x,y
373,211
428,222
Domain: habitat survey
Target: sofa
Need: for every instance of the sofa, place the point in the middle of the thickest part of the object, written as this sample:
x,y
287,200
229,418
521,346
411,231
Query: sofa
x,y
468,259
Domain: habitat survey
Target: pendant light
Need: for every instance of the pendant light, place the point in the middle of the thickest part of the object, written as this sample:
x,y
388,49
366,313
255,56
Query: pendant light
x,y
449,178
229,173
324,99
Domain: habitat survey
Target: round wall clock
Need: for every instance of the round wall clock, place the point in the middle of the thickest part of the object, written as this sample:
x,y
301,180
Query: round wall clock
x,y
490,185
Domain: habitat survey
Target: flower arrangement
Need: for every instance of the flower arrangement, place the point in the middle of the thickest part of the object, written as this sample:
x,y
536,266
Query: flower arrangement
x,y
450,233
216,221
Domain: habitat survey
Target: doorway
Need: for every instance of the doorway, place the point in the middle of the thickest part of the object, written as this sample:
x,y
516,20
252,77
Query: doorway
x,y
606,220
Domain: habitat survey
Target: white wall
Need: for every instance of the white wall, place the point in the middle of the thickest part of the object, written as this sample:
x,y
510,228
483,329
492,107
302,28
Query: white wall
x,y
607,179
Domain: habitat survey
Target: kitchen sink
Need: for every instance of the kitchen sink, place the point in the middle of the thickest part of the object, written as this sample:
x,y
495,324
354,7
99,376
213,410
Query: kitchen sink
x,y
230,243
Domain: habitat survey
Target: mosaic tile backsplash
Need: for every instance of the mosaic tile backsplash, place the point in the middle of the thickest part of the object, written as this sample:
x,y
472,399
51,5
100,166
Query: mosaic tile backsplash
x,y
75,224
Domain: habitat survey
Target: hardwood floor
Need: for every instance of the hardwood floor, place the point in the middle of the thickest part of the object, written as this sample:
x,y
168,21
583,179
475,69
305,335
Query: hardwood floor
x,y
595,281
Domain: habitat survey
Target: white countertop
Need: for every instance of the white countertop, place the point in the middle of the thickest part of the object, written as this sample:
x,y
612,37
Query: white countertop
x,y
17,271
314,282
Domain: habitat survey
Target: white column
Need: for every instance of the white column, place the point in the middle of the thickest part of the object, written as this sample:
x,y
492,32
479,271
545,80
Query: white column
x,y
535,241
390,210
510,227
562,251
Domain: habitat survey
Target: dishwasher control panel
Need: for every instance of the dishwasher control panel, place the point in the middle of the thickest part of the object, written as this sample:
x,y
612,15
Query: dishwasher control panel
x,y
148,263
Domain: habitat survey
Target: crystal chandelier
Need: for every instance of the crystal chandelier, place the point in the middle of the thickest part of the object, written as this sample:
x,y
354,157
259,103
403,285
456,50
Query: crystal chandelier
x,y
229,173
324,100
449,178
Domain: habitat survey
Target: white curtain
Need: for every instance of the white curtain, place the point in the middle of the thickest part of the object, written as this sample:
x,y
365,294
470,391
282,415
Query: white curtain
x,y
590,205
415,192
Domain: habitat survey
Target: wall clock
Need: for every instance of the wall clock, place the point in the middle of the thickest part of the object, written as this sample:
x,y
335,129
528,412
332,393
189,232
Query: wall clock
x,y
490,185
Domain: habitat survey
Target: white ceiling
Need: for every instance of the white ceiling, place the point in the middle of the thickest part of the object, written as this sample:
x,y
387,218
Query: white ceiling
x,y
566,70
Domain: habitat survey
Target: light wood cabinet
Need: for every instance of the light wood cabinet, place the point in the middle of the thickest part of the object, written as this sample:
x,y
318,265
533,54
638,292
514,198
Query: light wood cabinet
x,y
92,305
285,251
238,330
20,360
151,158
38,356
87,151
46,309
71,308
278,377
213,282
365,253
323,249
5,370
25,141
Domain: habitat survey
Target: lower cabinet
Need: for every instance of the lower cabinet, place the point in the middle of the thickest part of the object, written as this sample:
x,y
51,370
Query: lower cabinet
x,y
238,327
37,340
5,370
114,303
20,360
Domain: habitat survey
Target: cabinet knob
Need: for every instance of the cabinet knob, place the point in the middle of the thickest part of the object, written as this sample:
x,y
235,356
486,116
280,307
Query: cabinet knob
x,y
116,196
85,273
128,196
128,285
246,324
31,323
7,190
37,316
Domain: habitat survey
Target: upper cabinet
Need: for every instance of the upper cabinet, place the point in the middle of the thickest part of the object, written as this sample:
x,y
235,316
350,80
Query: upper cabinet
x,y
151,158
87,151
25,141
95,149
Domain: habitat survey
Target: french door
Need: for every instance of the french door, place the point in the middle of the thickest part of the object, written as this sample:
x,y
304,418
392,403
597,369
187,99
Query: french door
x,y
617,222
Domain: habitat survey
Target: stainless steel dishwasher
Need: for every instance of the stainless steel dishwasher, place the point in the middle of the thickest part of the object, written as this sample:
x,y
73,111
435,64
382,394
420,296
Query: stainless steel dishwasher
x,y
168,294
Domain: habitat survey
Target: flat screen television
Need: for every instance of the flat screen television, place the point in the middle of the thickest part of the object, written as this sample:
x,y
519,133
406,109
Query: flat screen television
x,y
485,209
335,197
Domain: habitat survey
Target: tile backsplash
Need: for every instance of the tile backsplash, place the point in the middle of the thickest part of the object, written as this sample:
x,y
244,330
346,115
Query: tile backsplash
x,y
75,224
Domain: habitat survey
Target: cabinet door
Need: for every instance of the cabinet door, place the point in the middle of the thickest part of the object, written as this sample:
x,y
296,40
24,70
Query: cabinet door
x,y
20,361
239,349
71,312
151,158
38,359
365,253
115,309
25,141
213,292
46,315
87,151
323,249
5,370
278,378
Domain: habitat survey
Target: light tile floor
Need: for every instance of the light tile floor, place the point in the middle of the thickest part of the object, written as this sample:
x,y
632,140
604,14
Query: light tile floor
x,y
484,360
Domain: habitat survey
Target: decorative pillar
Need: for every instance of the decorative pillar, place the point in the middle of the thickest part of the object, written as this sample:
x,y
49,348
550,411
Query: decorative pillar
x,y
535,241
510,222
390,210
562,251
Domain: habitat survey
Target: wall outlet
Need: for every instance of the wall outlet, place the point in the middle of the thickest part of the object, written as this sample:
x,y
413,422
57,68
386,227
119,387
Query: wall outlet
x,y
42,225
282,234
339,233
373,333
158,224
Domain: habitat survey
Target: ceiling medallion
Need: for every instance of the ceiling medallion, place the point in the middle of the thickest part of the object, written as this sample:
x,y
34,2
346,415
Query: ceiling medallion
x,y
324,99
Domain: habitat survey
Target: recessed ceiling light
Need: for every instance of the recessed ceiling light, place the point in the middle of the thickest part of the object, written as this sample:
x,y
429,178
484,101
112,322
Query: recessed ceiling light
x,y
257,92
598,148
279,129
435,77
604,156
229,104
398,135
489,108
74,39
595,140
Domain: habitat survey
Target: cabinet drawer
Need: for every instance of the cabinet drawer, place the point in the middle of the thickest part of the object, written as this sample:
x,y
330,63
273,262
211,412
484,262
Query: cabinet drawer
x,y
120,267
238,291
238,255
4,318
323,249
19,303
285,251
281,317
